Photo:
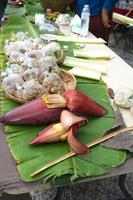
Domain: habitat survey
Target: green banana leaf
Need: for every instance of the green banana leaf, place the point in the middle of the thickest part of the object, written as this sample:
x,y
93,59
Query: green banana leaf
x,y
12,11
99,161
29,158
33,2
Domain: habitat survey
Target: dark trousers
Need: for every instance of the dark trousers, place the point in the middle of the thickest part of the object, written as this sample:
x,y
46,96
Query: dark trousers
x,y
3,4
97,28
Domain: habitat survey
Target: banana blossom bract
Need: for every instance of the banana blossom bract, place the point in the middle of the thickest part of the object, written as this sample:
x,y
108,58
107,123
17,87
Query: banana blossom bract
x,y
33,112
76,101
67,128
47,109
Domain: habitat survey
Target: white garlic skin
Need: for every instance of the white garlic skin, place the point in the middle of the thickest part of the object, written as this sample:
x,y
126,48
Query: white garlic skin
x,y
11,82
124,97
31,68
14,69
32,89
33,73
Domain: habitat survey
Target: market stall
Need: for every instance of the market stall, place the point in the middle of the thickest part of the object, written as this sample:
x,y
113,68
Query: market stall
x,y
15,150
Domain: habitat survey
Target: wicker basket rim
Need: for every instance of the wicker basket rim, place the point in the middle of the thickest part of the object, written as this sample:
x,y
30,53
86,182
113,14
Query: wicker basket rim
x,y
70,83
61,58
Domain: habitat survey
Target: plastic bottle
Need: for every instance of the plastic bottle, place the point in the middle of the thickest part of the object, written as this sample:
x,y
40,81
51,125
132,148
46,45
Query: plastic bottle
x,y
85,19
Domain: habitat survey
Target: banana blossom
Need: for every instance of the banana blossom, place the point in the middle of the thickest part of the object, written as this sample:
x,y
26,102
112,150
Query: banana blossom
x,y
66,129
48,108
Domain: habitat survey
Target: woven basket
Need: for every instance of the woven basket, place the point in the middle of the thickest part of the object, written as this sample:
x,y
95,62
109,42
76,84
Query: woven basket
x,y
69,83
59,5
60,59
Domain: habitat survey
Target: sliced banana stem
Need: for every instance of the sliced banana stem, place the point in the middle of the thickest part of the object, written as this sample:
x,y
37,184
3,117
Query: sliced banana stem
x,y
82,40
71,154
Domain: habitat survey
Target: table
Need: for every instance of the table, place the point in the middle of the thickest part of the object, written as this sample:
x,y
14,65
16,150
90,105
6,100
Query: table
x,y
16,186
119,74
117,70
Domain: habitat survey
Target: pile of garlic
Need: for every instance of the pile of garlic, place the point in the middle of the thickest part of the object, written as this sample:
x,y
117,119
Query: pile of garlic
x,y
124,98
31,68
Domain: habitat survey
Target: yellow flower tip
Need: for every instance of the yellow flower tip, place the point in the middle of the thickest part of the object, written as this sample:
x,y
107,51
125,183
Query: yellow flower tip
x,y
54,101
50,106
45,98
64,137
58,127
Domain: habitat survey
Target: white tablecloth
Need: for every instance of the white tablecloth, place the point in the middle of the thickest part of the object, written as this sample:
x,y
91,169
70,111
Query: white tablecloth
x,y
119,73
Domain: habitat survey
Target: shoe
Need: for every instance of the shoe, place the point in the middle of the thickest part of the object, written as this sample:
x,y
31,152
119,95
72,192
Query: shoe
x,y
4,19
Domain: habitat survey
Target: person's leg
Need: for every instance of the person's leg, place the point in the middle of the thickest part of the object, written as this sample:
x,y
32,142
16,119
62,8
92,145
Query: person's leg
x,y
3,4
97,28
2,11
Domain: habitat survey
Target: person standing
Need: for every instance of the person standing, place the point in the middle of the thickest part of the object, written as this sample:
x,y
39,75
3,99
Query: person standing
x,y
3,4
100,15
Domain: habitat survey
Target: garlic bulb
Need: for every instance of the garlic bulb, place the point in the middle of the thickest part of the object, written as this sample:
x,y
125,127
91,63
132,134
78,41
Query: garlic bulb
x,y
49,59
31,68
21,35
33,73
50,65
32,89
14,69
124,97
20,93
51,82
27,62
38,44
9,47
16,57
52,49
11,82
35,54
